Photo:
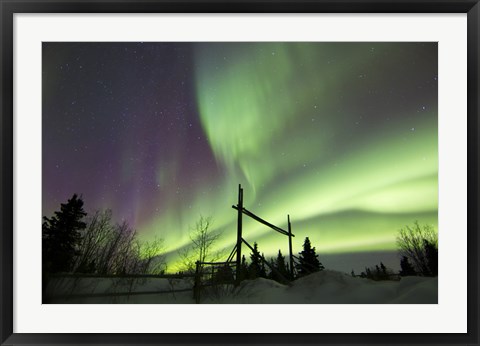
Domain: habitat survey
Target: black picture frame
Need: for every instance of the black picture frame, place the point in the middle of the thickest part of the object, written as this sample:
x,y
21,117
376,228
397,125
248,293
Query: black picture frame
x,y
7,175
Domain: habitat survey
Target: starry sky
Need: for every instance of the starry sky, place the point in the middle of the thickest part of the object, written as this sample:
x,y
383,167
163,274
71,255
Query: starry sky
x,y
340,136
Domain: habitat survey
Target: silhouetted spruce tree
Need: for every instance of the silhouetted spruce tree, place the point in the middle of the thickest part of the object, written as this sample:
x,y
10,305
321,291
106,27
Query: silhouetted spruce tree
x,y
243,273
271,274
384,275
281,266
383,268
406,268
309,262
61,235
281,273
255,267
289,273
431,256
377,273
263,270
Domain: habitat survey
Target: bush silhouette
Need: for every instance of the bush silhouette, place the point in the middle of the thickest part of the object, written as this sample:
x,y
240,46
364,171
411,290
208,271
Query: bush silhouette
x,y
420,245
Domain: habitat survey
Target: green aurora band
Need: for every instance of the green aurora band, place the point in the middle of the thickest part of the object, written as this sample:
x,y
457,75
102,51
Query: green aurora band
x,y
288,122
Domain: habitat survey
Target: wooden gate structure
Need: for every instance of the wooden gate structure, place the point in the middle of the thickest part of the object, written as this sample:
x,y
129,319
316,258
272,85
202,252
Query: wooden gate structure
x,y
238,247
220,272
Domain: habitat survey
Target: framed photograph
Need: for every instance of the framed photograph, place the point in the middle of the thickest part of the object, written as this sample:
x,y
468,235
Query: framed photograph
x,y
239,173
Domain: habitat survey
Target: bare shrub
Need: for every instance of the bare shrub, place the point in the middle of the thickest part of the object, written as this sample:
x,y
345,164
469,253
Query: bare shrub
x,y
414,242
202,244
115,250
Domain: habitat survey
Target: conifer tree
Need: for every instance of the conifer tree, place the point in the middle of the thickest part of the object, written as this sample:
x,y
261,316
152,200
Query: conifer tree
x,y
384,269
263,270
406,268
243,273
61,236
281,273
384,275
271,274
309,262
281,265
431,256
255,267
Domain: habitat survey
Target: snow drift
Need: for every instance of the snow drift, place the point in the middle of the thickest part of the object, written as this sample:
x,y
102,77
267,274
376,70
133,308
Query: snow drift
x,y
325,287
331,287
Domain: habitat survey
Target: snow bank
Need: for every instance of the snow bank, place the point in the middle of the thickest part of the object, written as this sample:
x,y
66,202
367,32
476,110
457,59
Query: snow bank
x,y
331,287
325,287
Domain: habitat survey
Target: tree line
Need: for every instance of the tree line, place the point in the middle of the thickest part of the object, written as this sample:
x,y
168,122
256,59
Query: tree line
x,y
277,268
77,243
73,242
417,247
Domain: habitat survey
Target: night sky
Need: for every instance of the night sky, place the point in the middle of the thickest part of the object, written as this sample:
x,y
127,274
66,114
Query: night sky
x,y
341,136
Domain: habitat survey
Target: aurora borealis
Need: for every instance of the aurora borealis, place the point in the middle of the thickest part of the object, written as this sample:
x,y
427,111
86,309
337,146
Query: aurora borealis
x,y
341,136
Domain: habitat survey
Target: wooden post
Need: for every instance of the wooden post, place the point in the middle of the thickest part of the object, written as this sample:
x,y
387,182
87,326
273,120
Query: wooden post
x,y
290,246
239,234
196,286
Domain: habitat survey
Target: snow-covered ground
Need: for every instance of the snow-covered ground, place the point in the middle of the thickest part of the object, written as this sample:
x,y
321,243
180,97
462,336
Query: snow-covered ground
x,y
330,287
325,287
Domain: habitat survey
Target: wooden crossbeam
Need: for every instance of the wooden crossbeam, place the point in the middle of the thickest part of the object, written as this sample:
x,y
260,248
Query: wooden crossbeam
x,y
259,219
232,254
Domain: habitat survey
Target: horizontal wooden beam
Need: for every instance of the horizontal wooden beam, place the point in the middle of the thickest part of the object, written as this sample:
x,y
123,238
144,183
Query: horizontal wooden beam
x,y
114,294
218,263
122,276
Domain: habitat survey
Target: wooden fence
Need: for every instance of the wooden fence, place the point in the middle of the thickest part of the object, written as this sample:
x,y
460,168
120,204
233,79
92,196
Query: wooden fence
x,y
128,293
207,274
212,274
